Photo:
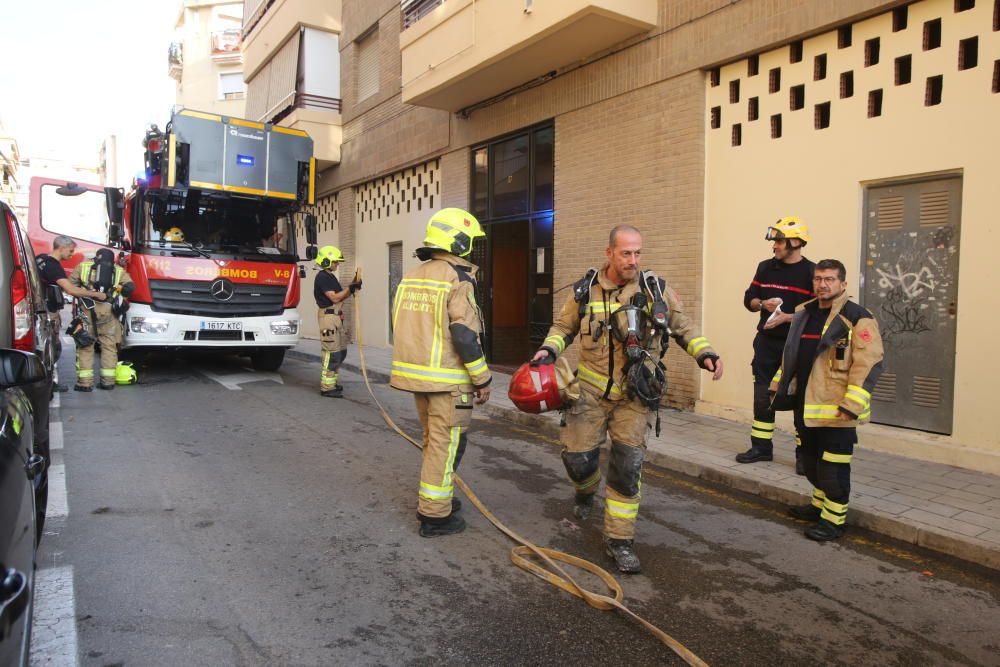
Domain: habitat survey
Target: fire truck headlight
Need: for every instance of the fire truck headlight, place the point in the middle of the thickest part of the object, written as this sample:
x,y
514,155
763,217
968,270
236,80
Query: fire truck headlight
x,y
285,327
148,325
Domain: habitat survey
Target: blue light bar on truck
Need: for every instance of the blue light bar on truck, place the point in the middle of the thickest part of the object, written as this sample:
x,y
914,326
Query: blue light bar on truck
x,y
245,160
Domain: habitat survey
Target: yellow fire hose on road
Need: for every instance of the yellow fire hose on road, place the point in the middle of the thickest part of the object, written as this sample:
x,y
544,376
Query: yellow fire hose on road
x,y
520,555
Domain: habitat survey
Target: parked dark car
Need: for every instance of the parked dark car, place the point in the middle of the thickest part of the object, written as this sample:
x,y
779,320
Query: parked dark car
x,y
25,326
19,467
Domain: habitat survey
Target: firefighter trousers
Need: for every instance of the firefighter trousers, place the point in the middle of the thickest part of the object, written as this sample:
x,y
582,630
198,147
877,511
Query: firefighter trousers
x,y
767,352
333,345
445,417
589,422
109,334
826,454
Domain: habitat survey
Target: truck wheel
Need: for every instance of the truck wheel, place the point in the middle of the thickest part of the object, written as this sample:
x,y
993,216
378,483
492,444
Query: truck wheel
x,y
268,359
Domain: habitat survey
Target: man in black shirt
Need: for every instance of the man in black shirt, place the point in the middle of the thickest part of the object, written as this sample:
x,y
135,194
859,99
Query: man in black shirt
x,y
56,282
333,340
780,284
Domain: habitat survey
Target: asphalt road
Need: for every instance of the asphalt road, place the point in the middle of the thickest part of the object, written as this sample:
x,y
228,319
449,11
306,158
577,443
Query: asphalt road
x,y
221,517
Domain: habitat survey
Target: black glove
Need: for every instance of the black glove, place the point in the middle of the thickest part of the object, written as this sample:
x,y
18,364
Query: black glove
x,y
549,358
127,289
354,287
702,358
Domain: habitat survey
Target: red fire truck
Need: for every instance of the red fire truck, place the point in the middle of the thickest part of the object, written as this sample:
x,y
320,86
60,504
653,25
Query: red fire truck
x,y
208,236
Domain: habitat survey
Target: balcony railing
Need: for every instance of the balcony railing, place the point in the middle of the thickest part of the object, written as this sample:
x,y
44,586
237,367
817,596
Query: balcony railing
x,y
414,10
226,42
175,60
307,101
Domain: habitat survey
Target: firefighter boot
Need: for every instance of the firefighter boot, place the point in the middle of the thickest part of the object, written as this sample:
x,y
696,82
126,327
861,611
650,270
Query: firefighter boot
x,y
336,392
583,505
623,553
83,387
438,526
824,531
804,512
753,455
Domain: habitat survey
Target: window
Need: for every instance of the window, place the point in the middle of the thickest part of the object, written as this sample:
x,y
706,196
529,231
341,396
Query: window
x,y
795,51
797,97
514,175
996,15
716,117
899,18
964,5
846,85
753,109
844,36
714,76
231,86
819,67
904,70
774,80
753,65
968,53
776,126
822,116
737,135
367,64
996,76
932,34
935,86
872,48
734,91
875,103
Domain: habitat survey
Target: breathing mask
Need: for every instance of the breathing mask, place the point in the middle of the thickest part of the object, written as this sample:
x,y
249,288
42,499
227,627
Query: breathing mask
x,y
632,327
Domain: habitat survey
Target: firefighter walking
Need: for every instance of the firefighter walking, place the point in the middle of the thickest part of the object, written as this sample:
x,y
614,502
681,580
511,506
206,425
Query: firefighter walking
x,y
624,318
100,318
329,296
831,362
438,356
778,287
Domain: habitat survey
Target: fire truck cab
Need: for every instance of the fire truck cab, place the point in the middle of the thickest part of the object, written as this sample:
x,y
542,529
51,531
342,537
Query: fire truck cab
x,y
208,236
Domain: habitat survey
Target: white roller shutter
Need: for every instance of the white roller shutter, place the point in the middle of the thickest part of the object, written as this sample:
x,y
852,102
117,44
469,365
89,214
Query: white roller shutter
x,y
367,65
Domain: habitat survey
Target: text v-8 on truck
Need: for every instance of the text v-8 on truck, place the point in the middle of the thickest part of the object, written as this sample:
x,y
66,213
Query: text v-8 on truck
x,y
208,237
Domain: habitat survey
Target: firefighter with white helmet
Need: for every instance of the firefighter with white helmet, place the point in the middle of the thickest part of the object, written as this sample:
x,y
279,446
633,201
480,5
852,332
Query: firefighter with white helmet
x,y
624,318
779,285
329,296
438,356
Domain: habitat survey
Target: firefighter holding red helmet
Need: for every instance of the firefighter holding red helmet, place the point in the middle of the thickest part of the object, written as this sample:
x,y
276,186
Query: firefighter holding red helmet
x,y
623,317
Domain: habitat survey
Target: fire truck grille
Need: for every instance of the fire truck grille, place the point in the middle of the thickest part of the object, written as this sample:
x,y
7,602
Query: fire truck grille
x,y
190,297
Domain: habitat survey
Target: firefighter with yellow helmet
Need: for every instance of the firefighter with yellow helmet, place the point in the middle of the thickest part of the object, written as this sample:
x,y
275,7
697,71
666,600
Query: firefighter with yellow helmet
x,y
440,359
329,296
780,284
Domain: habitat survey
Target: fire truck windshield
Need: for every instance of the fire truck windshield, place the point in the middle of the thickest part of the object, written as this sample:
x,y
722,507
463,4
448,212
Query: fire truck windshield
x,y
250,228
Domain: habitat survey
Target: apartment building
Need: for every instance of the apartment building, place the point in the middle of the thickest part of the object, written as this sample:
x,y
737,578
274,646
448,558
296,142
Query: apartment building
x,y
701,122
10,159
205,58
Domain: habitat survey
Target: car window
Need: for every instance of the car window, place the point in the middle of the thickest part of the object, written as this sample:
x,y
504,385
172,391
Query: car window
x,y
83,216
27,261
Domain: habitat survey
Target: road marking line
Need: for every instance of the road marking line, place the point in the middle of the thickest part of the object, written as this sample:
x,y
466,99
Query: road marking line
x,y
55,402
55,435
53,635
233,381
58,502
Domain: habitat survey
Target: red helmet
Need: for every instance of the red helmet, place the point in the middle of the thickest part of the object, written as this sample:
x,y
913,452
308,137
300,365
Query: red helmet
x,y
535,389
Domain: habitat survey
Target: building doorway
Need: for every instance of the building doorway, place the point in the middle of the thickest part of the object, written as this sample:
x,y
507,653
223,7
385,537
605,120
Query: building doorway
x,y
911,287
512,196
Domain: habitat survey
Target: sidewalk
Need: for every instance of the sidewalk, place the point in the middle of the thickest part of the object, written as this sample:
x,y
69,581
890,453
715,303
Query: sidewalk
x,y
940,507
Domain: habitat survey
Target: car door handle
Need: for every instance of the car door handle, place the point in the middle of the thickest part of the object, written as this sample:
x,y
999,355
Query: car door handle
x,y
13,599
34,466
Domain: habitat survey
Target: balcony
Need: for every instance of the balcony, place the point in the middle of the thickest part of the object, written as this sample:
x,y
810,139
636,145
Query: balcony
x,y
459,52
271,22
319,117
175,60
226,46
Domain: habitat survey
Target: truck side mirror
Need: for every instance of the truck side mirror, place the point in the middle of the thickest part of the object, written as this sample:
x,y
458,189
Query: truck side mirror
x,y
311,230
311,253
115,198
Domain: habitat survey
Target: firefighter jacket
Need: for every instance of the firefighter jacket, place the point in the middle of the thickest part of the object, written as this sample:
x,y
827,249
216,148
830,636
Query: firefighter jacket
x,y
602,357
847,365
437,324
82,277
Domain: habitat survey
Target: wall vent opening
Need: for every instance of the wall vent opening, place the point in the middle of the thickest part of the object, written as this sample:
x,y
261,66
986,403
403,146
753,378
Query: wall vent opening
x,y
846,85
968,53
822,116
875,103
873,48
935,88
797,97
904,70
932,34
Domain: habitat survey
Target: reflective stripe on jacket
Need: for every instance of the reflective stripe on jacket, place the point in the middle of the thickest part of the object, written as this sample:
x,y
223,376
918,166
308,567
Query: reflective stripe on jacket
x,y
437,323
847,365
595,355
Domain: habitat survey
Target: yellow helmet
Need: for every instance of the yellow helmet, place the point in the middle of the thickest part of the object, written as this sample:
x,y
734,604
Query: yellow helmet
x,y
789,227
174,234
328,255
453,229
125,374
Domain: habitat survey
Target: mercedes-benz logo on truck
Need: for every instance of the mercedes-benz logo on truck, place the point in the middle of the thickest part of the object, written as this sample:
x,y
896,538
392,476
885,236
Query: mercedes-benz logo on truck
x,y
222,289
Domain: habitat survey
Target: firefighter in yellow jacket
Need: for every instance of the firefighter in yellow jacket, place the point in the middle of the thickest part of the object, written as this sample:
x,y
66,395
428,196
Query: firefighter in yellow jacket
x,y
100,318
438,356
831,362
624,318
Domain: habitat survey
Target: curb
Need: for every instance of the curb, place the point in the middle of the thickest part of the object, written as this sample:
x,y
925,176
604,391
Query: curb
x,y
928,537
